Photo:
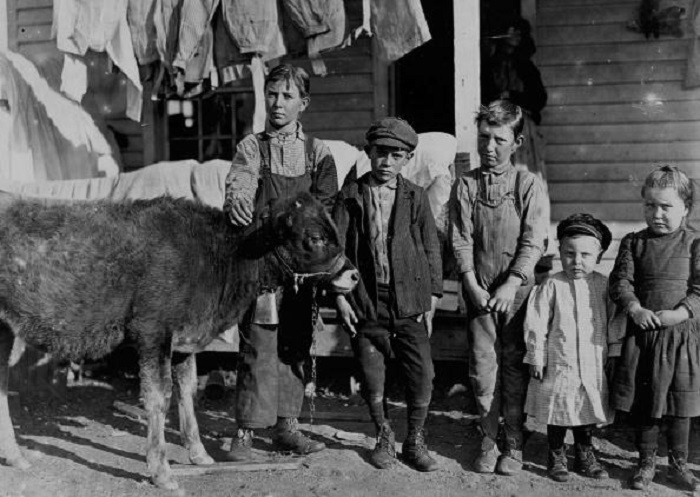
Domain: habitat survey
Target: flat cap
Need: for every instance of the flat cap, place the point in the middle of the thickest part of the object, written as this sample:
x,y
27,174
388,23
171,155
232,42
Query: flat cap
x,y
392,132
584,224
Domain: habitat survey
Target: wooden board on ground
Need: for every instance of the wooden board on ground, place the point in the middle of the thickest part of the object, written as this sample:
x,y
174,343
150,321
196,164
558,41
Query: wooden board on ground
x,y
236,467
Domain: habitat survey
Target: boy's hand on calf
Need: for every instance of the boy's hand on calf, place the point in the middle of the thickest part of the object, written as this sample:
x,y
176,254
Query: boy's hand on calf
x,y
476,295
428,316
347,315
537,372
241,212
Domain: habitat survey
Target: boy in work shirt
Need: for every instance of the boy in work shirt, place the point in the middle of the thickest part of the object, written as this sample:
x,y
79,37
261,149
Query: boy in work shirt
x,y
498,228
390,236
274,164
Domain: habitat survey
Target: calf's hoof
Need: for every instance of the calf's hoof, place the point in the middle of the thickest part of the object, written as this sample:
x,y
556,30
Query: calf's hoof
x,y
167,482
201,459
18,462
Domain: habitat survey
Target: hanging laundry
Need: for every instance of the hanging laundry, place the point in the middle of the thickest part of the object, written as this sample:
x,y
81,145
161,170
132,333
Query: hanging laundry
x,y
50,137
230,62
254,26
399,26
101,26
140,16
194,57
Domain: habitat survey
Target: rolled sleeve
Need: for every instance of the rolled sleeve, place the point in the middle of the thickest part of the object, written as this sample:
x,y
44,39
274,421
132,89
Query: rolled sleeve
x,y
325,175
534,229
461,227
622,276
242,178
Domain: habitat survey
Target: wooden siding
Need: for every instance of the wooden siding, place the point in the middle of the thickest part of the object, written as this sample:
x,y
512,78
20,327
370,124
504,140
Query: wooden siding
x,y
617,105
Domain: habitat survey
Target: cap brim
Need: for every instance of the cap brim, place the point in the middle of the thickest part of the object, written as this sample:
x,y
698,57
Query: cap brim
x,y
391,142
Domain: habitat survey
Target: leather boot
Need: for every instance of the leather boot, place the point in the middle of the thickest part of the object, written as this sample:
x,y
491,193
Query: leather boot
x,y
646,469
678,472
510,461
289,438
384,454
241,446
587,464
415,452
485,461
557,465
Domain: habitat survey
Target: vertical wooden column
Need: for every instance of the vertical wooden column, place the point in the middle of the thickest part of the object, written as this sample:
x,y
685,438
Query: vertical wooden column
x,y
467,81
3,26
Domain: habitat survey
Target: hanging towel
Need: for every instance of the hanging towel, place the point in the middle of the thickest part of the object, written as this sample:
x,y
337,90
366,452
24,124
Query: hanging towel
x,y
399,26
140,16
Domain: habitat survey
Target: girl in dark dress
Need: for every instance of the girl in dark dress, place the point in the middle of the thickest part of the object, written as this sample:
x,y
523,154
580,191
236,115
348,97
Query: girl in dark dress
x,y
656,280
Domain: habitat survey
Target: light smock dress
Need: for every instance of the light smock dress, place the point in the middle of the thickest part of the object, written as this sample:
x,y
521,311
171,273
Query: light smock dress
x,y
566,332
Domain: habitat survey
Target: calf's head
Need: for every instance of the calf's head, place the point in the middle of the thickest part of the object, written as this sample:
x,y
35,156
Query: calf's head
x,y
306,243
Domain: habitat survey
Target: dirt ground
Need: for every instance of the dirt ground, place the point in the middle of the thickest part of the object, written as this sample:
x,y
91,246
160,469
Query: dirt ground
x,y
82,446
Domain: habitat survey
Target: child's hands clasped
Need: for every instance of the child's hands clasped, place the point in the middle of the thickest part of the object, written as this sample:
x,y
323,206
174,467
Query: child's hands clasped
x,y
674,316
536,372
650,320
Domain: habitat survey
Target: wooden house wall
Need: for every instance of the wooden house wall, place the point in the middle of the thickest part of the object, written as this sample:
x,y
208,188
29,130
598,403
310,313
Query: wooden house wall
x,y
617,106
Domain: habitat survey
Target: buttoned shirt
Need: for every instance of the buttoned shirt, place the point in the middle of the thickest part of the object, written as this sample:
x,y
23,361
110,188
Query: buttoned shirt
x,y
383,198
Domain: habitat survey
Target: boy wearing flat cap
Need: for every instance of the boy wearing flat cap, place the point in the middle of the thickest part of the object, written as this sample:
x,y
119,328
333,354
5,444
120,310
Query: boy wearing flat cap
x,y
498,225
390,236
568,344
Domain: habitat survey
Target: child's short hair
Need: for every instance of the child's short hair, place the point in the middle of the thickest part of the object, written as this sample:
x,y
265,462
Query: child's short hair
x,y
290,73
502,113
668,176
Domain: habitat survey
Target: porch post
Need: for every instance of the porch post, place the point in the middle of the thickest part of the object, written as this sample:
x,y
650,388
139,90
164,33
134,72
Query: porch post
x,y
467,81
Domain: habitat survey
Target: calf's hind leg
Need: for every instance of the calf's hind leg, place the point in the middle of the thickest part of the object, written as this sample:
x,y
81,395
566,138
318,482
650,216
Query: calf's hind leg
x,y
8,445
185,368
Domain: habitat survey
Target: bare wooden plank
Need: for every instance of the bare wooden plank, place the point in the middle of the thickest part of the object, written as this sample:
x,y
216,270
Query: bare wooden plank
x,y
621,113
350,83
554,3
343,102
621,93
337,65
608,191
614,72
235,467
588,35
34,34
632,172
557,15
34,4
624,152
31,17
333,120
662,49
627,133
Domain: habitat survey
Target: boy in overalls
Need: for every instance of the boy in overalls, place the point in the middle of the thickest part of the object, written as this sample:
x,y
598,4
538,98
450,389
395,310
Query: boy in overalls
x,y
275,164
498,229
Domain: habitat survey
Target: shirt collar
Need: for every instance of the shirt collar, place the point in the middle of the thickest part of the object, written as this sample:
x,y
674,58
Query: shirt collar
x,y
391,185
271,132
499,171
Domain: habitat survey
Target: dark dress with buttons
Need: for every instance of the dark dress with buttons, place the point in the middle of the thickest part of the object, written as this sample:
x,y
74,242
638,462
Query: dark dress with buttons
x,y
659,370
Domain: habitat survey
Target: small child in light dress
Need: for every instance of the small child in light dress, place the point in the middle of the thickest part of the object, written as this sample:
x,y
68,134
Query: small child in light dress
x,y
568,343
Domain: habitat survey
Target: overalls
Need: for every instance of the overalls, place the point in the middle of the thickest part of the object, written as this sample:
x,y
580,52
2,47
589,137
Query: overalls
x,y
496,344
270,382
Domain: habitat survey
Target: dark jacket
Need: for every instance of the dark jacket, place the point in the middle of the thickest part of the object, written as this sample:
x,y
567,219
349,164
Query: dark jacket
x,y
414,249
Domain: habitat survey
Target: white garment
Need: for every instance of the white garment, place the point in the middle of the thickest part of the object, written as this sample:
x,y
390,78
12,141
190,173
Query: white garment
x,y
100,25
566,332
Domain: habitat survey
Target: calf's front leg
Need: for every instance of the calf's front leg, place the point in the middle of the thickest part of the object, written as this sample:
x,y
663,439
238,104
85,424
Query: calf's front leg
x,y
156,389
185,368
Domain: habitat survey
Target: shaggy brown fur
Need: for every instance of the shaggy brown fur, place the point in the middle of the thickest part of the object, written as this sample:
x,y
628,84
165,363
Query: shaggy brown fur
x,y
78,279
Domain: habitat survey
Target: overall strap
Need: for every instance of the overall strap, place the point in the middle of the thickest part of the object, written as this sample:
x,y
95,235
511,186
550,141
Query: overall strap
x,y
265,155
519,176
309,153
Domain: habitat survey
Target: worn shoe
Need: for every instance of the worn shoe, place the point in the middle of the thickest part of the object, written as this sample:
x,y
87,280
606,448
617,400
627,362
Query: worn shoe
x,y
289,438
557,465
509,462
646,469
415,452
587,464
678,472
241,446
485,462
384,454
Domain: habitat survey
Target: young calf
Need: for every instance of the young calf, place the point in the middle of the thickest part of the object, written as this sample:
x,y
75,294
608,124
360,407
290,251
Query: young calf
x,y
77,279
